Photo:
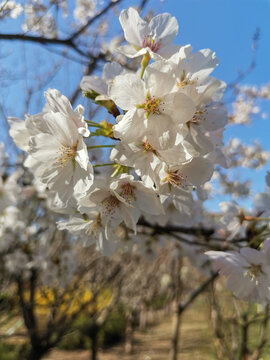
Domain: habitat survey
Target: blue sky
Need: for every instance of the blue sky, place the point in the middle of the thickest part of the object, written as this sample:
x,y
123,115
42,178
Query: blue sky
x,y
225,26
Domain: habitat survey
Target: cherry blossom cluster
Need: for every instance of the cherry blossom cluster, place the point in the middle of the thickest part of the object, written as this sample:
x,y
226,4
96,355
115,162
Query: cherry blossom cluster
x,y
84,9
246,104
10,9
27,231
246,267
249,156
39,15
169,124
234,187
262,92
163,143
247,271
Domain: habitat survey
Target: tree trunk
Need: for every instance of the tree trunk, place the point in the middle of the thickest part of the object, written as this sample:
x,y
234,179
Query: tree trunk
x,y
244,346
130,327
175,336
143,318
36,354
176,272
94,345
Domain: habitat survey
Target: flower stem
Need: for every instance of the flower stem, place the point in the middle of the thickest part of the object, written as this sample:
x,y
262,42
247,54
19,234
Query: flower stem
x,y
93,124
254,218
145,61
96,126
100,146
99,165
261,219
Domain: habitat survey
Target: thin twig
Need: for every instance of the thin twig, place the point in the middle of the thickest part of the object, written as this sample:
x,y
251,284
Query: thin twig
x,y
243,74
90,22
197,292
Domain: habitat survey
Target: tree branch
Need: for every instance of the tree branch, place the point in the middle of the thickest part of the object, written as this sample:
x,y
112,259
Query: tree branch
x,y
181,229
44,41
196,293
243,74
90,22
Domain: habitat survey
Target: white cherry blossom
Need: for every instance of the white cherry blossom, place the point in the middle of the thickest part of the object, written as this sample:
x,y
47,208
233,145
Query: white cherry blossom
x,y
60,158
247,271
261,201
91,229
233,218
9,190
120,199
154,37
152,107
56,102
10,9
99,85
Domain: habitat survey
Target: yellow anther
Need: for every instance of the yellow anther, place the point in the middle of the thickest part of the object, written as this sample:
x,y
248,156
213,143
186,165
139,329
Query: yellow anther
x,y
173,178
67,153
253,271
148,147
150,106
184,81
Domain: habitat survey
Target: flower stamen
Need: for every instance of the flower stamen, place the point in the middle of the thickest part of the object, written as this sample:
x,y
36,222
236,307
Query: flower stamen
x,y
128,192
147,147
150,42
199,116
253,271
67,153
109,205
174,179
184,81
94,229
150,106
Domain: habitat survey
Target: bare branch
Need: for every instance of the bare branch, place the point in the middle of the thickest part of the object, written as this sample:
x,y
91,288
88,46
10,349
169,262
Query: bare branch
x,y
90,22
44,41
196,293
181,229
243,74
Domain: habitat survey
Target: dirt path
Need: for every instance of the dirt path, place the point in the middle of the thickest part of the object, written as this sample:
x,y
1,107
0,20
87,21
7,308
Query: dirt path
x,y
195,343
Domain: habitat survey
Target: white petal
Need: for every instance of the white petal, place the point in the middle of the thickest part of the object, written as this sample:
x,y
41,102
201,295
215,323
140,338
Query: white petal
x,y
82,155
82,180
127,91
135,28
44,148
183,201
130,128
62,127
58,102
164,27
216,118
198,171
251,255
161,131
131,52
148,201
169,50
179,106
130,216
19,132
94,83
111,70
157,79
